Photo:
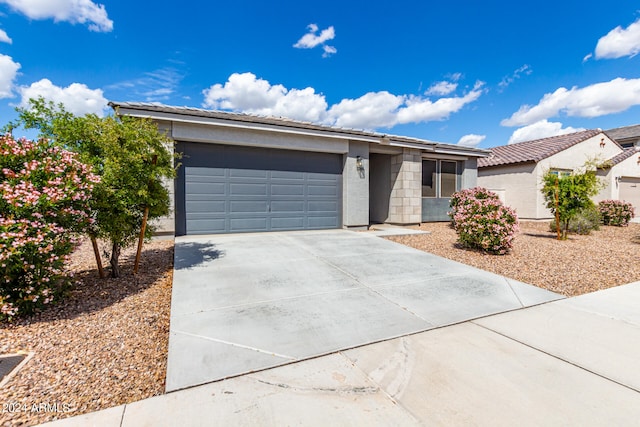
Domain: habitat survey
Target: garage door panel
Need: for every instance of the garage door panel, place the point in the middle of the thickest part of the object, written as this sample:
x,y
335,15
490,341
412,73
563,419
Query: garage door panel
x,y
249,206
288,223
287,206
239,189
277,175
208,225
217,206
323,190
248,189
205,188
247,224
322,222
629,191
287,189
248,173
322,206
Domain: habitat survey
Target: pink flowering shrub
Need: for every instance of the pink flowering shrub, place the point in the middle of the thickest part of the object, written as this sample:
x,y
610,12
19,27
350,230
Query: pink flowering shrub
x,y
44,193
616,212
482,221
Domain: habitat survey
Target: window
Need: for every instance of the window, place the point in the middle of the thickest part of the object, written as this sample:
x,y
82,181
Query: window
x,y
429,178
439,178
561,173
447,178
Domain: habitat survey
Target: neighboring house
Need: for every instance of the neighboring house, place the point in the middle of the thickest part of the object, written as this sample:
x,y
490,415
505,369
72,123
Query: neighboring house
x,y
627,136
515,171
245,173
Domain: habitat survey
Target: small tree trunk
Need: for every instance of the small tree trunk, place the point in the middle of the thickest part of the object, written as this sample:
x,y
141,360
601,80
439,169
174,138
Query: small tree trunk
x,y
557,197
115,256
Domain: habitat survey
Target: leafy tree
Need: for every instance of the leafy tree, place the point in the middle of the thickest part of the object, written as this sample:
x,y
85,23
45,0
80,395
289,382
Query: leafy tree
x,y
566,196
131,156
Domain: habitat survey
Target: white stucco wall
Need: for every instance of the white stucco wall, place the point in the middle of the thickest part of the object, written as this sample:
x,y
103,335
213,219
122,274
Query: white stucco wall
x,y
516,184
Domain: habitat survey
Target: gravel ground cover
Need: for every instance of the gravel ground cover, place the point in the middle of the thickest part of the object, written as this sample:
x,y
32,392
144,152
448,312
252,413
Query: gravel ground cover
x,y
104,346
581,264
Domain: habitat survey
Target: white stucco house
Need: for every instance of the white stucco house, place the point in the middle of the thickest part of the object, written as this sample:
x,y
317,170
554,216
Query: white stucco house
x,y
515,171
247,173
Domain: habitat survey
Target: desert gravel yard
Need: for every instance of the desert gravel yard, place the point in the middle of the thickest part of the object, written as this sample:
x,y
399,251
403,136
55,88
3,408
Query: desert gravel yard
x,y
106,344
581,264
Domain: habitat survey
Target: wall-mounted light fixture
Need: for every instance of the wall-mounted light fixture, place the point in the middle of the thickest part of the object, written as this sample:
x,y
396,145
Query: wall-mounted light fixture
x,y
602,144
360,166
638,160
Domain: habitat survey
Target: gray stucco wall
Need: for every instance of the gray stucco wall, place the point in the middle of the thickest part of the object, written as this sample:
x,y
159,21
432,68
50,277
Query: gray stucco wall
x,y
355,186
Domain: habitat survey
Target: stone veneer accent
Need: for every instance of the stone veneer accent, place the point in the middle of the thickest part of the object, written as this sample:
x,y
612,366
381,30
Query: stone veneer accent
x,y
405,203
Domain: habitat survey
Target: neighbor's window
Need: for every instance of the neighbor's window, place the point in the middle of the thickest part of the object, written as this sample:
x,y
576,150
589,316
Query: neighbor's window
x,y
429,178
561,173
447,178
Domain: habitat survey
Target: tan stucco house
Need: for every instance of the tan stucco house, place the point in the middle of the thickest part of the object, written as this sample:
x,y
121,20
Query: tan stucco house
x,y
247,173
515,171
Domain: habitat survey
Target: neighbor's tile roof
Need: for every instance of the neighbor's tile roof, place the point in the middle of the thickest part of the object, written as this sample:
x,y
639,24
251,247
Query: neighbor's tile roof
x,y
628,152
624,132
534,151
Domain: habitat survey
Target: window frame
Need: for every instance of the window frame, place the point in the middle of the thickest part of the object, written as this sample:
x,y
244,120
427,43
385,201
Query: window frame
x,y
438,179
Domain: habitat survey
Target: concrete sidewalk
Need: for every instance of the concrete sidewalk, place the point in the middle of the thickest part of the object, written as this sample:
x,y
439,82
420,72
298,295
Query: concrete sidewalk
x,y
568,362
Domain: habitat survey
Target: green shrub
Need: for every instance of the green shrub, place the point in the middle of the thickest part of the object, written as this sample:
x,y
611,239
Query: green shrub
x,y
584,222
616,212
482,221
44,193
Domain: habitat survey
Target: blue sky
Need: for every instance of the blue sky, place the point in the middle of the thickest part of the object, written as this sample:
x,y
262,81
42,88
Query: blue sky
x,y
476,73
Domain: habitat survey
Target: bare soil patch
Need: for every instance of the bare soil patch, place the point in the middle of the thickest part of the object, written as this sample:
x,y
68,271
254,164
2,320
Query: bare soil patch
x,y
605,258
103,346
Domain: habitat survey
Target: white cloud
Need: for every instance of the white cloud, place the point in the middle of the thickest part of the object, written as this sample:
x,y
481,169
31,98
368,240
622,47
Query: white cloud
x,y
419,109
590,101
441,88
154,86
4,37
8,72
313,39
541,129
620,42
73,11
471,140
246,93
371,110
77,98
507,80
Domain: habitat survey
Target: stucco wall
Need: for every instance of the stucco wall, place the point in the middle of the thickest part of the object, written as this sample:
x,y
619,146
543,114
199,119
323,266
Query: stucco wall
x,y
257,138
355,186
516,184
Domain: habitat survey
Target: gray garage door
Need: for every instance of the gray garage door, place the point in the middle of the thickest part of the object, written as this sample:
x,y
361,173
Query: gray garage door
x,y
630,191
227,189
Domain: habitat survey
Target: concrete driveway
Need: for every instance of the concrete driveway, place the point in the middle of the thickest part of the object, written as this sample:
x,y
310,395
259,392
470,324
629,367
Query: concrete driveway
x,y
247,302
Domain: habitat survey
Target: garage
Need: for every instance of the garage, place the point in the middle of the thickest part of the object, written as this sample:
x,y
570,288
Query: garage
x,y
232,189
630,191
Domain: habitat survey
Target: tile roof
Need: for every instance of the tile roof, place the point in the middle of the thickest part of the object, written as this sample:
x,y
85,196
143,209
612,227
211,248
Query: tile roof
x,y
297,124
624,132
534,151
628,152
